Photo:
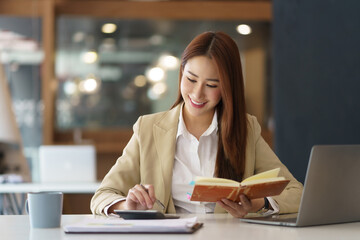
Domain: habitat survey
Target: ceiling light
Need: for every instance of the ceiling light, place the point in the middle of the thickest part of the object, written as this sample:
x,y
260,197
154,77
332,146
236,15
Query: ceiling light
x,y
89,85
108,28
155,74
156,91
243,29
159,88
90,57
140,81
168,62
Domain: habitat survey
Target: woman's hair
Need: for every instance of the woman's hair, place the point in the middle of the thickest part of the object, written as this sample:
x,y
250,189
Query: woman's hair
x,y
232,129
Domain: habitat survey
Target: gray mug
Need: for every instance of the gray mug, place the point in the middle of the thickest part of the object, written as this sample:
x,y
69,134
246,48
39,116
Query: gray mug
x,y
44,209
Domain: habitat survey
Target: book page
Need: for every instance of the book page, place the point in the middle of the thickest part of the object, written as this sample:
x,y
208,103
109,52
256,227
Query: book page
x,y
216,181
267,174
262,180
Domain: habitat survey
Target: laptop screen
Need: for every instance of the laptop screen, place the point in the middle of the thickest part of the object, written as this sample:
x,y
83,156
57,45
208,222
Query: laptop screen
x,y
67,163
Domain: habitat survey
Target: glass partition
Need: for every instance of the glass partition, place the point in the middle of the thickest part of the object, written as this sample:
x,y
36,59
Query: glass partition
x,y
21,57
111,71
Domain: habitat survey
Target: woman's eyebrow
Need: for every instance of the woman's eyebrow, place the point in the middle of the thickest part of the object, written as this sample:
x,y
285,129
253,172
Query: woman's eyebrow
x,y
209,79
193,74
212,79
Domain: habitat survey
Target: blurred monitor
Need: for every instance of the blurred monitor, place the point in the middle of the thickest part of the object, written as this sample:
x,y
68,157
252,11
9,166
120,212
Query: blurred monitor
x,y
67,163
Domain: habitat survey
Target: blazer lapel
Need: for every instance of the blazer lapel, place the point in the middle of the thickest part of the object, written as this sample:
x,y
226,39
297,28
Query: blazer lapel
x,y
165,131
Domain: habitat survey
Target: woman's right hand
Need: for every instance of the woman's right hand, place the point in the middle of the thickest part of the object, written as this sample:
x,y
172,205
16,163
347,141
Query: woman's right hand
x,y
138,198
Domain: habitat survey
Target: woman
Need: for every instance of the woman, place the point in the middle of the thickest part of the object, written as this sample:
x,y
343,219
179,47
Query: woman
x,y
206,133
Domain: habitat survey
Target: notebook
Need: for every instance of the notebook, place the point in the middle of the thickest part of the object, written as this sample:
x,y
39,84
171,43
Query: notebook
x,y
331,190
101,224
67,163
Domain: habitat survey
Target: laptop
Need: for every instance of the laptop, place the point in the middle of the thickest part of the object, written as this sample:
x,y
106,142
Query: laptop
x,y
67,163
331,190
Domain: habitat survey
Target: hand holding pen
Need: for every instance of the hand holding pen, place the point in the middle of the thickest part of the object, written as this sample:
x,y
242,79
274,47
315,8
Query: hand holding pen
x,y
156,200
141,197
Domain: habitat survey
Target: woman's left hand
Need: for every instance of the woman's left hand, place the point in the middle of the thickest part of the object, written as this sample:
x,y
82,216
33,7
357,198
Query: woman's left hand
x,y
243,207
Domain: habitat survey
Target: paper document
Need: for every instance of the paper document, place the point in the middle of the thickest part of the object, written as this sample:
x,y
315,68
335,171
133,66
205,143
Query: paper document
x,y
100,224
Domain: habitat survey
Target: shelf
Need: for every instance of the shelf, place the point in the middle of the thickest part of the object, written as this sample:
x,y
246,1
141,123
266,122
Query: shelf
x,y
22,57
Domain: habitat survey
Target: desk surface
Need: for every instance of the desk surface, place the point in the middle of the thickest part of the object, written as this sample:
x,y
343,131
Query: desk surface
x,y
13,195
38,187
216,227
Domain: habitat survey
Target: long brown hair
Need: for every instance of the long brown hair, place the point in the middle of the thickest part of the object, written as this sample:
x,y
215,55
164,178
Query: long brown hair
x,y
232,129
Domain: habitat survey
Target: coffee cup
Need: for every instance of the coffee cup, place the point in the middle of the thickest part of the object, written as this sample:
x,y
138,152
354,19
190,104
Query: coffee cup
x,y
44,209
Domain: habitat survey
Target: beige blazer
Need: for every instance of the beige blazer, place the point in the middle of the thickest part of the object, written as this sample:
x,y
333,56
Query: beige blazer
x,y
148,158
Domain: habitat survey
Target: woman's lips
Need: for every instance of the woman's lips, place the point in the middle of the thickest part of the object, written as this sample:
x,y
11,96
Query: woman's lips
x,y
197,104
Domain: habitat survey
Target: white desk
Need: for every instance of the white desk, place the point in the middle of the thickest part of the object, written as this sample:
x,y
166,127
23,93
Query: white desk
x,y
39,187
216,227
12,195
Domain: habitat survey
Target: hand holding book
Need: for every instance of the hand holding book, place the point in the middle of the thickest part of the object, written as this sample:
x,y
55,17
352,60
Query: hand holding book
x,y
261,185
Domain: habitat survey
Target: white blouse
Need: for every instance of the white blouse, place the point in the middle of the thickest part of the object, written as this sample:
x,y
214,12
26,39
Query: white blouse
x,y
193,158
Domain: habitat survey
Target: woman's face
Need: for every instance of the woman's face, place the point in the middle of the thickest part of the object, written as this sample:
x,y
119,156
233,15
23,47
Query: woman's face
x,y
200,87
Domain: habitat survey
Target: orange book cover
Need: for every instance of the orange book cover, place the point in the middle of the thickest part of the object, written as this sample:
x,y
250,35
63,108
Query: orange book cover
x,y
208,191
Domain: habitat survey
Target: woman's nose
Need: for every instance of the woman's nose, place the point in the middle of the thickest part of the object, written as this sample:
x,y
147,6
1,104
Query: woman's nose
x,y
198,91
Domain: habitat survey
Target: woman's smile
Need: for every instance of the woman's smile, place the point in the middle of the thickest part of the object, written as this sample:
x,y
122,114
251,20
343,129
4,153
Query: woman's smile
x,y
197,104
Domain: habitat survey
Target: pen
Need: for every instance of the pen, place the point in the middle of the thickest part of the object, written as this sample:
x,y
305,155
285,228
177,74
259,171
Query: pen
x,y
157,200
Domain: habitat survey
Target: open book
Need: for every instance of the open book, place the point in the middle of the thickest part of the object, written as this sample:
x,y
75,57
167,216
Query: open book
x,y
261,185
